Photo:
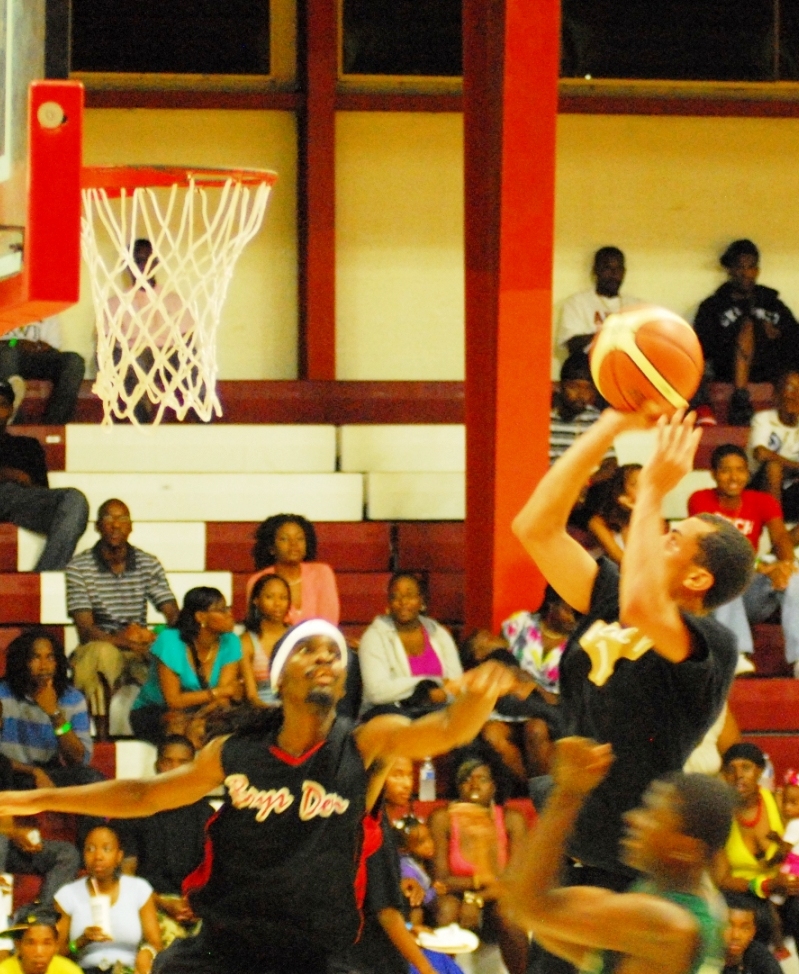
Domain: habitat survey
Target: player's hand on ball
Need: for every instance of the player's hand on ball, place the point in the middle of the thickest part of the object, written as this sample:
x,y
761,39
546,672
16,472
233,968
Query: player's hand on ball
x,y
580,764
675,449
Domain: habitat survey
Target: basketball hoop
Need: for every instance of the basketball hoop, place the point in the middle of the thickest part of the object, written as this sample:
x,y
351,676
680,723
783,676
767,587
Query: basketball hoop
x,y
157,312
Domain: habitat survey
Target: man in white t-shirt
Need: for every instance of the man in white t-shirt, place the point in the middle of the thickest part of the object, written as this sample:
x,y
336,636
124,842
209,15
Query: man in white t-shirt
x,y
582,314
34,352
773,449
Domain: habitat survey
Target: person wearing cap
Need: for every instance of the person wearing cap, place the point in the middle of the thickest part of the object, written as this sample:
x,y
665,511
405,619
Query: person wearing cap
x,y
27,500
35,937
281,886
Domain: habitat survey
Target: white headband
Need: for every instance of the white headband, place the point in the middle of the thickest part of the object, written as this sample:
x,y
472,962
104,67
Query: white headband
x,y
304,630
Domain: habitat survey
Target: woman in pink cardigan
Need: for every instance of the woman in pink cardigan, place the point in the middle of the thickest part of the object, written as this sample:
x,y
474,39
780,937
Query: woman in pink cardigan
x,y
285,545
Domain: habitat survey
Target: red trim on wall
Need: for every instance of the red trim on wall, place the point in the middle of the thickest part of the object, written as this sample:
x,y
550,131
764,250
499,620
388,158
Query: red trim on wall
x,y
279,101
316,189
375,101
713,107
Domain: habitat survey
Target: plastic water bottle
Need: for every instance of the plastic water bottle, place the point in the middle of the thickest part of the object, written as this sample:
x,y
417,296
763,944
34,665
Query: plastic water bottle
x,y
767,777
427,781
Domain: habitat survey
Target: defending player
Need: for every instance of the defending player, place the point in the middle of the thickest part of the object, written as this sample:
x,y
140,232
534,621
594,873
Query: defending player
x,y
669,923
280,887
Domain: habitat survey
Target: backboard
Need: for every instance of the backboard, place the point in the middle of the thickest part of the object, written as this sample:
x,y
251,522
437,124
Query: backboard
x,y
40,160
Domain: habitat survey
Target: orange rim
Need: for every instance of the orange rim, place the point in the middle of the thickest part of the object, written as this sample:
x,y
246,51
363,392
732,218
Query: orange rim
x,y
113,179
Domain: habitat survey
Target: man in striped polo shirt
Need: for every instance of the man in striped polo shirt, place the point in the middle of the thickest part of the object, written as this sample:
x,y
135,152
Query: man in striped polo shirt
x,y
108,588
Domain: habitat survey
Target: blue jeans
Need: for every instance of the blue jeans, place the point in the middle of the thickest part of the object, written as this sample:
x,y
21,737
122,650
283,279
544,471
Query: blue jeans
x,y
757,603
60,513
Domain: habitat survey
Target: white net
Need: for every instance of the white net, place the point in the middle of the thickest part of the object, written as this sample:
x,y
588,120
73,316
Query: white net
x,y
160,262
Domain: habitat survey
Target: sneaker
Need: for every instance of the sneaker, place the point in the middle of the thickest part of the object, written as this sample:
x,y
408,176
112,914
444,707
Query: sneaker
x,y
705,417
745,665
740,411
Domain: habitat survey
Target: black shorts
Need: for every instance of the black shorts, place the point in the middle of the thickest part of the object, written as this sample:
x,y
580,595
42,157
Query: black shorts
x,y
213,952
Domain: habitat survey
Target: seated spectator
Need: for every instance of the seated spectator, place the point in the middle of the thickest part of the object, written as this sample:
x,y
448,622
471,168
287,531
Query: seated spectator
x,y
27,500
164,848
417,852
743,954
131,936
773,448
747,334
575,406
474,839
285,545
45,721
195,665
268,605
583,313
773,584
610,523
34,931
33,352
398,790
108,589
408,661
748,864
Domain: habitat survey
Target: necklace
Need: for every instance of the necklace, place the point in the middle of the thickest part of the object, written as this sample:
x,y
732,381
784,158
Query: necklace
x,y
756,819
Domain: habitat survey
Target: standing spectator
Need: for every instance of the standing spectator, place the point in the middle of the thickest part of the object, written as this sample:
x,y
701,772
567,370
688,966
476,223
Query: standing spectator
x,y
774,584
34,352
747,334
773,448
285,545
35,934
583,313
108,588
27,500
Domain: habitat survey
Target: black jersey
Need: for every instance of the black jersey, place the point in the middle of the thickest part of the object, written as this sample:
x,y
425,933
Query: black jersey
x,y
285,852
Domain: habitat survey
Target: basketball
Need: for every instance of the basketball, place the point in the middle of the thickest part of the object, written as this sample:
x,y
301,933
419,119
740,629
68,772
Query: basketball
x,y
646,353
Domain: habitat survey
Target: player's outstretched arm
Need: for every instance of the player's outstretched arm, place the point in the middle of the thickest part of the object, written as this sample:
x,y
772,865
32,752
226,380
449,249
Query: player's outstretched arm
x,y
541,523
384,738
135,798
575,921
645,599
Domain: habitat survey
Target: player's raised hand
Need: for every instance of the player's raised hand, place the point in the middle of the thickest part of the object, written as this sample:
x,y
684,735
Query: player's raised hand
x,y
580,764
675,449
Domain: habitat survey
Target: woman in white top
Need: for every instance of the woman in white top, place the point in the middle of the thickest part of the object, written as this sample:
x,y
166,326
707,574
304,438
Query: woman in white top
x,y
409,662
132,935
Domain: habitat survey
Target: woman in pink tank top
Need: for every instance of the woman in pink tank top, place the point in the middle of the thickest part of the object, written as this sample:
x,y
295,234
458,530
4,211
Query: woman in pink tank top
x,y
474,839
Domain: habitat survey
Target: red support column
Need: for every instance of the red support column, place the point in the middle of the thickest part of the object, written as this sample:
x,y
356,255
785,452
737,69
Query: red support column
x,y
316,188
511,59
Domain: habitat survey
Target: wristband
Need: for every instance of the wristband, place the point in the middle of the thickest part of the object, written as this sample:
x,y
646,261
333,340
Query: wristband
x,y
12,342
148,947
758,887
63,729
73,948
